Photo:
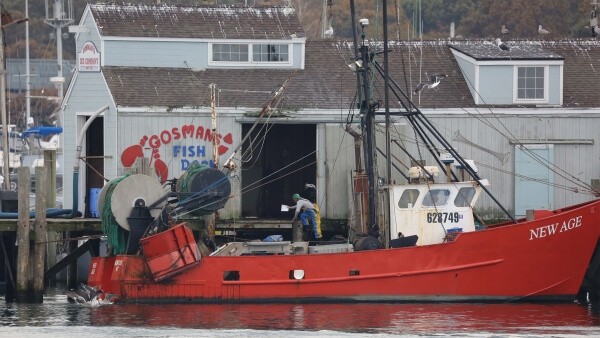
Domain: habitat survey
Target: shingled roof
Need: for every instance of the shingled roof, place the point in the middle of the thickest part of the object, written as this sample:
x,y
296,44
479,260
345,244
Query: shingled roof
x,y
581,72
322,85
523,50
328,83
206,22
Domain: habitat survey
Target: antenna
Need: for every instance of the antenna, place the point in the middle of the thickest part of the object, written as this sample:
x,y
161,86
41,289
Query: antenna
x,y
59,14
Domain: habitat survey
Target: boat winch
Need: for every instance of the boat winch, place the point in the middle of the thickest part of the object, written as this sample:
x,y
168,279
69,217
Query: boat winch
x,y
135,206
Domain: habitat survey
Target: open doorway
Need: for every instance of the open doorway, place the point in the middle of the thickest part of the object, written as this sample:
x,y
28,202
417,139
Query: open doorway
x,y
278,159
94,165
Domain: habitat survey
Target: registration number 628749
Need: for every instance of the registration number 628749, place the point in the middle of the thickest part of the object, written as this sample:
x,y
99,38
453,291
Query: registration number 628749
x,y
443,217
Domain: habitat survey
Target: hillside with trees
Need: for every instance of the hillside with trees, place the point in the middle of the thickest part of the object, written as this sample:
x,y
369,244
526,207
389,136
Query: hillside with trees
x,y
472,19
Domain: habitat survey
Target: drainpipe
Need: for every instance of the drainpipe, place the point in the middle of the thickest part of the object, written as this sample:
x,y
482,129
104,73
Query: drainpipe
x,y
78,156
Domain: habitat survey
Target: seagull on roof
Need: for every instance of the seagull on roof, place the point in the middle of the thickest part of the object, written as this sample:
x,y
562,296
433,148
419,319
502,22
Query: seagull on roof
x,y
501,44
434,81
594,30
542,31
505,31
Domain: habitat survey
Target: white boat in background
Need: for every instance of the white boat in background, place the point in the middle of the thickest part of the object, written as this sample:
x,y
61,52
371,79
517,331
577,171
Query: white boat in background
x,y
27,150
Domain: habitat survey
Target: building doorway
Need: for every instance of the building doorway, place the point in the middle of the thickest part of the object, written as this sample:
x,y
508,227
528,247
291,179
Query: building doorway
x,y
533,181
278,160
94,165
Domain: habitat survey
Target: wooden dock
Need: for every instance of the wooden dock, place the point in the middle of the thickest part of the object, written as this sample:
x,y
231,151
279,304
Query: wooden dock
x,y
91,225
25,242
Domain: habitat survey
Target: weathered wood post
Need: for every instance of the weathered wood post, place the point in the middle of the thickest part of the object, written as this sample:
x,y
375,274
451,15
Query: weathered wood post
x,y
23,228
72,267
297,231
50,164
7,244
41,235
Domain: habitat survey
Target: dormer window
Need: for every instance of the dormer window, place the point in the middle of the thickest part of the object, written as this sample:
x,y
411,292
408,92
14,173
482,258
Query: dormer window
x,y
239,55
230,52
531,84
270,53
528,74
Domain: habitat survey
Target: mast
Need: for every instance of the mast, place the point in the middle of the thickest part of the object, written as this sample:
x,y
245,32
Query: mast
x,y
367,111
386,97
213,117
27,69
323,19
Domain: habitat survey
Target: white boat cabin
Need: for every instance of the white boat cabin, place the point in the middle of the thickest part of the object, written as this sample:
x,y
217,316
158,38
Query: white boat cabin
x,y
433,211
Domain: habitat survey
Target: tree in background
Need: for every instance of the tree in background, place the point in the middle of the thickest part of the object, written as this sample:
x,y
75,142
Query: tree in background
x,y
472,19
484,18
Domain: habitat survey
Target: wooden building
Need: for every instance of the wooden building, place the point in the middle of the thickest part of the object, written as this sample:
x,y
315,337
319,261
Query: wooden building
x,y
149,69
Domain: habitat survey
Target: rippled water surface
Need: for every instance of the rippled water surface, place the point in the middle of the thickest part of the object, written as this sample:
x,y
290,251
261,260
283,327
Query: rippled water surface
x,y
56,317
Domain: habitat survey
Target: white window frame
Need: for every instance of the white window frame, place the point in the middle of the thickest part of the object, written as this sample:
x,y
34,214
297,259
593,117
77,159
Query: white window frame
x,y
248,51
269,44
516,98
251,63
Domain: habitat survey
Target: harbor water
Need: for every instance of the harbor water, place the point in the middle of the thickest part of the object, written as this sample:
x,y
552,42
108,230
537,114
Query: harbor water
x,y
56,317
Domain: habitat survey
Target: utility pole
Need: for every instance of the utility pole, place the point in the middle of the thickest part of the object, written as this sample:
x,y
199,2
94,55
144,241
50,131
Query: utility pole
x,y
5,148
27,71
3,111
58,18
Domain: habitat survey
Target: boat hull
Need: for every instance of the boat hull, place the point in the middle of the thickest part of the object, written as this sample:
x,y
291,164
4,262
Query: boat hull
x,y
541,259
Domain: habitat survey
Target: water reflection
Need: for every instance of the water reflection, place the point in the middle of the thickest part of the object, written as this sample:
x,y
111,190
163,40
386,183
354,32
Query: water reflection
x,y
388,318
413,319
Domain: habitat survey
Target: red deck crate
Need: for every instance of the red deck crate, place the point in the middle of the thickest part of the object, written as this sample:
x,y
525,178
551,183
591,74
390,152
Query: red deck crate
x,y
170,252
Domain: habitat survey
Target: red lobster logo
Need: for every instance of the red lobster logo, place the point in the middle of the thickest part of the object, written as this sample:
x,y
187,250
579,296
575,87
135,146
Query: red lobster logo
x,y
132,153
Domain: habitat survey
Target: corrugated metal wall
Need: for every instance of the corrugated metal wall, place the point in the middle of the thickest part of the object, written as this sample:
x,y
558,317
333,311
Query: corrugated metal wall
x,y
340,163
489,140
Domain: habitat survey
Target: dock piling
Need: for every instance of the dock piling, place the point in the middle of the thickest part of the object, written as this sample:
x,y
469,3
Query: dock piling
x,y
23,228
41,235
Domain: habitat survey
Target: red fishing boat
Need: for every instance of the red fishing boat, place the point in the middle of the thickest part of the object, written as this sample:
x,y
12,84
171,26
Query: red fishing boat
x,y
429,247
542,258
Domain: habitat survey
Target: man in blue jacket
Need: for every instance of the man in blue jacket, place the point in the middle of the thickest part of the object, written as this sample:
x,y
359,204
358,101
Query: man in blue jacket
x,y
306,211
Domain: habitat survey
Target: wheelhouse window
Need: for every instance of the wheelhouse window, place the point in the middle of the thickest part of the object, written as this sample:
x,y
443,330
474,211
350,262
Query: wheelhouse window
x,y
408,198
230,52
464,198
270,53
530,83
436,198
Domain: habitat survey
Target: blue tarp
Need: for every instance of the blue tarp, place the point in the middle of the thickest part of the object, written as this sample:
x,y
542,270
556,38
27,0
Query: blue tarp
x,y
41,131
